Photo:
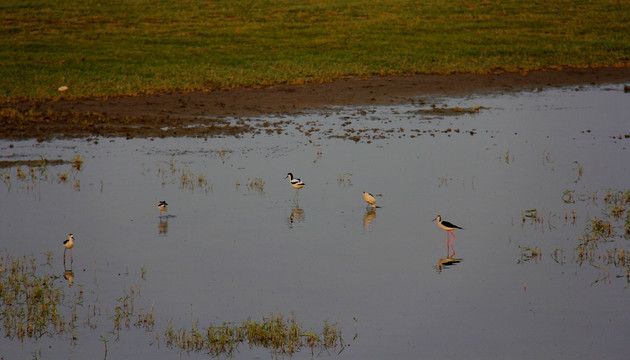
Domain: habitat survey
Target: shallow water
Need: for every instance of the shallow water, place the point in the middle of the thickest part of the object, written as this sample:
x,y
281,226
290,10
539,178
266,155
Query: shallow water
x,y
226,253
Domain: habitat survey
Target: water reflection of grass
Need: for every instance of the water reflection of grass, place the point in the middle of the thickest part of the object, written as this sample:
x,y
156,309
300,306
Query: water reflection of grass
x,y
34,304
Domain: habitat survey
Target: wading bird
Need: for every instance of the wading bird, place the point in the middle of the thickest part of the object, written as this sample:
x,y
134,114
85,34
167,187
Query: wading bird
x,y
295,182
162,206
369,198
448,227
68,244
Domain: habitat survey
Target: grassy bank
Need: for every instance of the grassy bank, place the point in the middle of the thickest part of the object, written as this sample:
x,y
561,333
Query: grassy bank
x,y
102,48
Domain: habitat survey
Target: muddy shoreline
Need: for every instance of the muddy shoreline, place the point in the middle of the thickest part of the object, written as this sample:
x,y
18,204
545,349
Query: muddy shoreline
x,y
171,114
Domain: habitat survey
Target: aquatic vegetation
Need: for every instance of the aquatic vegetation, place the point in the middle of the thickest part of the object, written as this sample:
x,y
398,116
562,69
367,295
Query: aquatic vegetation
x,y
602,244
222,154
537,217
33,305
528,254
344,179
30,173
77,162
281,336
186,179
257,184
30,304
125,312
567,196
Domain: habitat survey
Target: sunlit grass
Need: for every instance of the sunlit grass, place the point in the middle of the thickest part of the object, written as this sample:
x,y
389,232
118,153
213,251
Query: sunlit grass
x,y
87,48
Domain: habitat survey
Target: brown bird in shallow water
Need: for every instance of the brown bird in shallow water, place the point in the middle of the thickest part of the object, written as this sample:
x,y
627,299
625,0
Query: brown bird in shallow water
x,y
68,244
369,198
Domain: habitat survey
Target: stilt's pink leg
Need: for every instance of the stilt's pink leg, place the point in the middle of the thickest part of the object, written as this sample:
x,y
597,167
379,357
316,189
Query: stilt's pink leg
x,y
452,243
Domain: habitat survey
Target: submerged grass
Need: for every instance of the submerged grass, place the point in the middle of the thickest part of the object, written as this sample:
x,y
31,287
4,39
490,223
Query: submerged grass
x,y
36,303
29,174
281,336
52,49
30,304
603,243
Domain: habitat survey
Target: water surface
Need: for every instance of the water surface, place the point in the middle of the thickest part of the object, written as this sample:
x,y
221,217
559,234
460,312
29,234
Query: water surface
x,y
228,252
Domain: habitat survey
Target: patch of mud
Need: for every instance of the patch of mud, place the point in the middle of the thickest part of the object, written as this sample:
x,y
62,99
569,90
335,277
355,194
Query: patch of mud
x,y
204,113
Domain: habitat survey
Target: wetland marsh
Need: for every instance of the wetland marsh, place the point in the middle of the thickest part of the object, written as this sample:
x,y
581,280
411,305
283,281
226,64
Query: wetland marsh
x,y
537,179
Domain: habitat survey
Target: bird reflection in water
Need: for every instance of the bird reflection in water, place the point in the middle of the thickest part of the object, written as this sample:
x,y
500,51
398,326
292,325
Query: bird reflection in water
x,y
444,263
297,214
68,274
368,219
163,226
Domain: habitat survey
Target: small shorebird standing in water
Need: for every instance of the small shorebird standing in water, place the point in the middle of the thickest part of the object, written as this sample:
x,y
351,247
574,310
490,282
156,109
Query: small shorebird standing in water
x,y
162,206
369,198
448,227
68,244
295,182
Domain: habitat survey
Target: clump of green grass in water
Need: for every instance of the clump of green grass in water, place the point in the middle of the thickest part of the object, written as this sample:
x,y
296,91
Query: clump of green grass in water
x,y
30,303
187,179
601,231
77,162
125,312
528,254
38,171
281,336
601,245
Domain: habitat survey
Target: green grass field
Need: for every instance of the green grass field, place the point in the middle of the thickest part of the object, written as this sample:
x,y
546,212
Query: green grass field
x,y
104,48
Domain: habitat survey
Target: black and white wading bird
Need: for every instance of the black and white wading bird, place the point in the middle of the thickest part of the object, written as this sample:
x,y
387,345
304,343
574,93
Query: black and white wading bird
x,y
448,227
296,183
68,244
162,206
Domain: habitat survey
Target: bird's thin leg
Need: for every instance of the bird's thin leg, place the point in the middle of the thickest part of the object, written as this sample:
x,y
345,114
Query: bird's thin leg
x,y
64,257
452,248
448,244
71,257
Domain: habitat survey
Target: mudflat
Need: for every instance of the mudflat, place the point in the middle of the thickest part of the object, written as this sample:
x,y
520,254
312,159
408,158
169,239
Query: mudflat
x,y
171,114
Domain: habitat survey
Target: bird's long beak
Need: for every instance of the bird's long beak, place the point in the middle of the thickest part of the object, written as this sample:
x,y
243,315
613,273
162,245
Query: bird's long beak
x,y
434,219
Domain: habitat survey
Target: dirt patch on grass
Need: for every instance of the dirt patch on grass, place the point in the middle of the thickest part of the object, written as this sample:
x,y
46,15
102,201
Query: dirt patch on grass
x,y
181,113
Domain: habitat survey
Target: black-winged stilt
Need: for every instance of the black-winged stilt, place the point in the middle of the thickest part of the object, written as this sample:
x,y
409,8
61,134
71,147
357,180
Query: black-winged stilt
x,y
448,227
